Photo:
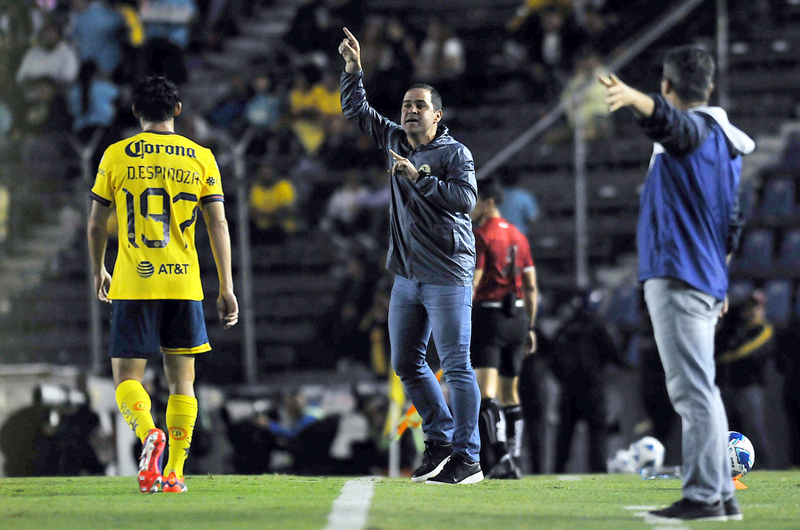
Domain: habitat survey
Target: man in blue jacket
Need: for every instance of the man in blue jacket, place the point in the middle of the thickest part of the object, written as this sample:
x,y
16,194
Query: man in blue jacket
x,y
688,226
432,253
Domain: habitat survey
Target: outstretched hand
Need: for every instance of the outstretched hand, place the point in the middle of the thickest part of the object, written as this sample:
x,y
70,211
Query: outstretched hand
x,y
619,95
403,167
350,49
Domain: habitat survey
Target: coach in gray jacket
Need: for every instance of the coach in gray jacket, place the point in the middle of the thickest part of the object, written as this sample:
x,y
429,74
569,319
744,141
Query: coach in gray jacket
x,y
432,253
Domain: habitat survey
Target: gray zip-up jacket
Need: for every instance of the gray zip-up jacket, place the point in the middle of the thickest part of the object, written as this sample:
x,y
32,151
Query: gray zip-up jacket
x,y
430,239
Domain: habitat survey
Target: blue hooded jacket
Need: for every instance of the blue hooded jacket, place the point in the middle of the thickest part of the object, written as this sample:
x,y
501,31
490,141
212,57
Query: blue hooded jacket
x,y
430,238
689,218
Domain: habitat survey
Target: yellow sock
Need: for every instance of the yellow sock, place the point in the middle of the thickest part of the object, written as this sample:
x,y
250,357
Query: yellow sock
x,y
181,415
134,404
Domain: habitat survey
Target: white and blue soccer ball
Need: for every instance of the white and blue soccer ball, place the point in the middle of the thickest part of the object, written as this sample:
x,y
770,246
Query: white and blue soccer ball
x,y
647,452
621,462
741,454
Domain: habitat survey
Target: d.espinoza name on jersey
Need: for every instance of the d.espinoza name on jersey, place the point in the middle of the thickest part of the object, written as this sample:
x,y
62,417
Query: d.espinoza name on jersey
x,y
140,148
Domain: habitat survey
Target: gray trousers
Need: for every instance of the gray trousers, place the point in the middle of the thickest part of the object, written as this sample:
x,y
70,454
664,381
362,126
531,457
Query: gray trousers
x,y
683,323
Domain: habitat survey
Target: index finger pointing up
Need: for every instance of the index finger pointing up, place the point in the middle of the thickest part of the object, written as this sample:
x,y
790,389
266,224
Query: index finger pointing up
x,y
349,35
395,155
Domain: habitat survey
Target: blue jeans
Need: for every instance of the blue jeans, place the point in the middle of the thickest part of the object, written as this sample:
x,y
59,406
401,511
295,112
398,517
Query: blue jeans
x,y
683,323
415,310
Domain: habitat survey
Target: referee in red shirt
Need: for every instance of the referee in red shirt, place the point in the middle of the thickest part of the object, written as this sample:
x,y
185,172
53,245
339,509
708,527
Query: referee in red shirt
x,y
503,318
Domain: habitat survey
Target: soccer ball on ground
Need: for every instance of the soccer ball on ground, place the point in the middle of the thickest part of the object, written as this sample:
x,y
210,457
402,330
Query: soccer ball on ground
x,y
621,462
647,452
741,454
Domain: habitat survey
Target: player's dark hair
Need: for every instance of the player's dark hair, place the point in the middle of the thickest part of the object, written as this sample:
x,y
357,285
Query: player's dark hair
x,y
690,70
489,188
155,99
436,98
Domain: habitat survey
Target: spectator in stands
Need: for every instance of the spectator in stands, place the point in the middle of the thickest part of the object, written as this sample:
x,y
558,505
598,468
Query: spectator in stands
x,y
273,203
441,59
51,58
600,30
306,108
228,113
582,347
265,107
96,30
295,416
92,102
744,346
551,43
312,28
168,19
344,205
584,98
520,207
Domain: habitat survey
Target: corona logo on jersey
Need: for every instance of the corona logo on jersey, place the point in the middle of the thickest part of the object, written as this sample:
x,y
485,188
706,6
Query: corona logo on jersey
x,y
141,405
145,269
140,148
178,433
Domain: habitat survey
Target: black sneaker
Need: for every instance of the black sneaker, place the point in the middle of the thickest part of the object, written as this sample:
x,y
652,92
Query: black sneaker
x,y
505,469
733,510
688,510
436,455
458,470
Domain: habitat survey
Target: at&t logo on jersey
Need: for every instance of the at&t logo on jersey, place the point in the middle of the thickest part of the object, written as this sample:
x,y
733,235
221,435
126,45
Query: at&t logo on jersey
x,y
140,148
174,268
145,269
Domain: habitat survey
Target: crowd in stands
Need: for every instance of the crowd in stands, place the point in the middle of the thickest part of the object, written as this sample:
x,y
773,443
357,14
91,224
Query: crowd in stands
x,y
66,69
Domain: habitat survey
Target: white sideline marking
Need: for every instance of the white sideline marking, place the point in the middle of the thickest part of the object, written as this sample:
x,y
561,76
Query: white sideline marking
x,y
569,478
351,507
671,527
639,508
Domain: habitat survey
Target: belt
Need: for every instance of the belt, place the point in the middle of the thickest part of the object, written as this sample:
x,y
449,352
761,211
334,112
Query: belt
x,y
498,305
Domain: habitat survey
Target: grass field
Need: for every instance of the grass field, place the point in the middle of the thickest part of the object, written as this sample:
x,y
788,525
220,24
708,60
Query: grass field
x,y
265,502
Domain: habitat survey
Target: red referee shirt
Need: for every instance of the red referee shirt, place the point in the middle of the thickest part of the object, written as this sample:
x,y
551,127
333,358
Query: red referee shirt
x,y
504,254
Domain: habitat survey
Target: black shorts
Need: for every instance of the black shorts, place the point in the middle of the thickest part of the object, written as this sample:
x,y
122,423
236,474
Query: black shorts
x,y
498,340
141,329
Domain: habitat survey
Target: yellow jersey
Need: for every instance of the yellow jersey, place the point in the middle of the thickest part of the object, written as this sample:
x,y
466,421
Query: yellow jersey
x,y
157,181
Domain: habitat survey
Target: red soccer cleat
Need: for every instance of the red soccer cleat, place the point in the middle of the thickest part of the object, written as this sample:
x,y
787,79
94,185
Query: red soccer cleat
x,y
150,461
174,484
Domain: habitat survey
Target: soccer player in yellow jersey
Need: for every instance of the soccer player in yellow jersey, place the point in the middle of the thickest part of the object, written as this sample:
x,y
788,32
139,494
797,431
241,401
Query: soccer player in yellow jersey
x,y
156,180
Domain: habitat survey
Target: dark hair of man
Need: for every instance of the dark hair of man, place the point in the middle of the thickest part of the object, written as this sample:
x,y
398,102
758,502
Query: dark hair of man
x,y
155,99
489,188
690,71
436,98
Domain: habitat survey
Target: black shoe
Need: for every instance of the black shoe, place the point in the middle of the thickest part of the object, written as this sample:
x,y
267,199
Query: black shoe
x,y
505,469
733,510
436,455
458,470
688,510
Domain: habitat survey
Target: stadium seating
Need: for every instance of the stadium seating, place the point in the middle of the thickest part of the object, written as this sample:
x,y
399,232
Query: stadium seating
x,y
779,301
756,252
747,198
739,290
778,198
788,262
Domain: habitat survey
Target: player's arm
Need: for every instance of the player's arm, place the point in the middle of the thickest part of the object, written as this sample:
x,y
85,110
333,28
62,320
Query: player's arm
x,y
458,190
531,301
354,98
220,239
97,234
680,132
